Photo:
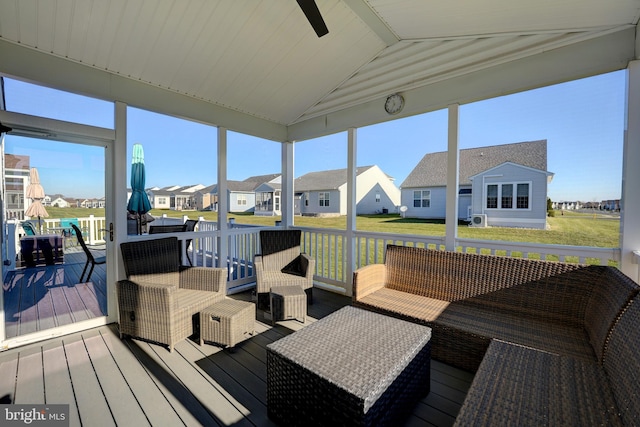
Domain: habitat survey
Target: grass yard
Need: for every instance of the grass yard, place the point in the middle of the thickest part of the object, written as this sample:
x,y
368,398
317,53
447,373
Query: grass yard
x,y
572,228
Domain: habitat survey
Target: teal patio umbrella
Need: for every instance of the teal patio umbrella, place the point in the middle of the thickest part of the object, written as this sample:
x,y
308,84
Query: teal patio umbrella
x,y
139,203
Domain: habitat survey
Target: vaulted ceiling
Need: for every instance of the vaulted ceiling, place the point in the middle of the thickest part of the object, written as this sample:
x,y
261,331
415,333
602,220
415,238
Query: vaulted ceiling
x,y
257,66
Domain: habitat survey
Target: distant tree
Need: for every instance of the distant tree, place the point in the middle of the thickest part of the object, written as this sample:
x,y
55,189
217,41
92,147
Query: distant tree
x,y
550,211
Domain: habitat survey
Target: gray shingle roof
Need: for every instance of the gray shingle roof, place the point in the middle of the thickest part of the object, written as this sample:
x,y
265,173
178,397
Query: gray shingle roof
x,y
431,171
324,180
262,178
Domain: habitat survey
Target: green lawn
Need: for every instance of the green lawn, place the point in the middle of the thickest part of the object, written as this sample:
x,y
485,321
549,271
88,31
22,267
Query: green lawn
x,y
574,229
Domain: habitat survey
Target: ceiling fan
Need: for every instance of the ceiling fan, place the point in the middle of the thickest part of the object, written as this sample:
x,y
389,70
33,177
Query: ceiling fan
x,y
312,13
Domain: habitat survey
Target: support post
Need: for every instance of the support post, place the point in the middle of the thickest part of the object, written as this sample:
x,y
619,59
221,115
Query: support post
x,y
223,199
351,209
630,201
287,196
451,233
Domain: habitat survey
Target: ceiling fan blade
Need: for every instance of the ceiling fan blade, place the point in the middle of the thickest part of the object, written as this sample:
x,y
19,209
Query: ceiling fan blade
x,y
312,13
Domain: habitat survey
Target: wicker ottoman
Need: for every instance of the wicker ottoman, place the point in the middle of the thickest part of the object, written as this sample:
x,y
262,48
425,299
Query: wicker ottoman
x,y
353,367
288,302
227,322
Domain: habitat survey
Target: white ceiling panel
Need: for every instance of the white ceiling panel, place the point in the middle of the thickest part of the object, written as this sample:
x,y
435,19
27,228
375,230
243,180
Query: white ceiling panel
x,y
262,58
419,19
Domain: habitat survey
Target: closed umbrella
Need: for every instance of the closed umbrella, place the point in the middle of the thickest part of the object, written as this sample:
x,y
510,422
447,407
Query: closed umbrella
x,y
139,201
35,192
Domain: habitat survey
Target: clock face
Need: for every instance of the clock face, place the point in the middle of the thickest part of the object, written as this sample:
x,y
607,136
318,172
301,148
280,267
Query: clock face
x,y
394,103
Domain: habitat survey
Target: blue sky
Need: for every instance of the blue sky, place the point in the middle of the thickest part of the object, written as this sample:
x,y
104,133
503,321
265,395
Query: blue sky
x,y
582,121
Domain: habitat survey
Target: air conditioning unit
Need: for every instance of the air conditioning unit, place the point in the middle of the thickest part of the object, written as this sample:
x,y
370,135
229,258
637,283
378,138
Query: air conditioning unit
x,y
479,220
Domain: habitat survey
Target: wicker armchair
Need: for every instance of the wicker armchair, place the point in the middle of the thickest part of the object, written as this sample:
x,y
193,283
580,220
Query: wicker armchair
x,y
281,263
159,298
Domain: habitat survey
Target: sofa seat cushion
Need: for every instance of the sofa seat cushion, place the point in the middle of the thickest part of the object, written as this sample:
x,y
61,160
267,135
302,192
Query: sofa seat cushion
x,y
520,386
477,321
278,278
416,307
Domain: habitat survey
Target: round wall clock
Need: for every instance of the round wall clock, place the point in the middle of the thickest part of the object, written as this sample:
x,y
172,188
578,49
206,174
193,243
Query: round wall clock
x,y
394,103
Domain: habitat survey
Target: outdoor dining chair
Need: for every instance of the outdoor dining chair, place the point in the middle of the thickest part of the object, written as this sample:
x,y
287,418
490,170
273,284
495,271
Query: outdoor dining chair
x,y
29,229
189,225
91,258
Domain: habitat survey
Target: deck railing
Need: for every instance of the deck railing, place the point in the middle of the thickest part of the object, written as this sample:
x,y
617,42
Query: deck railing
x,y
334,265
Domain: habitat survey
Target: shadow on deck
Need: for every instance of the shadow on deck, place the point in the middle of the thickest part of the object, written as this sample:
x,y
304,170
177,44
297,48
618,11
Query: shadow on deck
x,y
44,297
133,382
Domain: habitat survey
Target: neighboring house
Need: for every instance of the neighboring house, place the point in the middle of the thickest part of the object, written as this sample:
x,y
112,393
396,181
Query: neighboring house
x,y
324,193
258,194
183,198
203,199
268,193
93,203
506,185
241,198
174,197
16,178
611,205
160,197
567,206
57,200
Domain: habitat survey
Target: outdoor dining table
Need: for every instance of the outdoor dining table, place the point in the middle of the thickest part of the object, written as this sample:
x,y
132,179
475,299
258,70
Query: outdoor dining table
x,y
41,249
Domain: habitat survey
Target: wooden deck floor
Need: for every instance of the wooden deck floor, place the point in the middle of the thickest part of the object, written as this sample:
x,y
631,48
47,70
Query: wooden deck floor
x,y
108,381
43,297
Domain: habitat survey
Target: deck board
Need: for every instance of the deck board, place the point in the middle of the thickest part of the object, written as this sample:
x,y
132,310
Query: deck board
x,y
148,396
90,398
58,384
40,298
122,401
108,381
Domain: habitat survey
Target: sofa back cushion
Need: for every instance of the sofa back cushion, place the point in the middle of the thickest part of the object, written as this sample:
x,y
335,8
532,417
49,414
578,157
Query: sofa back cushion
x,y
608,297
622,363
453,276
153,261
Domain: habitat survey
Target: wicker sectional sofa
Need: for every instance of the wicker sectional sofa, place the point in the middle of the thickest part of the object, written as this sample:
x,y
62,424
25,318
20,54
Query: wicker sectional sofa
x,y
513,321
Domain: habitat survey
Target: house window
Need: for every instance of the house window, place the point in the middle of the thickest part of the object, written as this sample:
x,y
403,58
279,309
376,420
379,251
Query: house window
x,y
162,200
323,198
505,194
377,197
522,201
242,199
492,196
422,199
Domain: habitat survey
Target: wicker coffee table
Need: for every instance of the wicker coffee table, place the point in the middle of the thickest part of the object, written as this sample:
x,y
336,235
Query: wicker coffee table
x,y
227,322
353,367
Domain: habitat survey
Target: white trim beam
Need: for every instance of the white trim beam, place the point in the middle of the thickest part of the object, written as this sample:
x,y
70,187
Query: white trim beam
x,y
28,64
373,21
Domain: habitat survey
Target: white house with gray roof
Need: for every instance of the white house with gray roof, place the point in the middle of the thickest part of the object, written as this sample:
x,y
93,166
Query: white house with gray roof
x,y
500,185
324,193
259,194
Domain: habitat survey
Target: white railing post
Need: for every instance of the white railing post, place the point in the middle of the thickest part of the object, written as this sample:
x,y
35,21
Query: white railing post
x,y
92,229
